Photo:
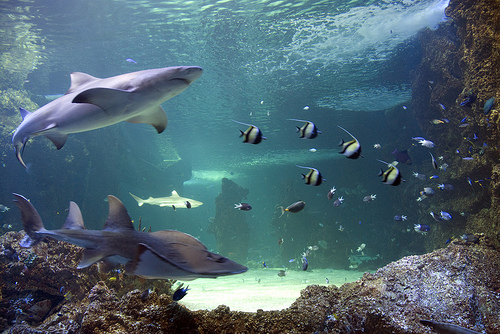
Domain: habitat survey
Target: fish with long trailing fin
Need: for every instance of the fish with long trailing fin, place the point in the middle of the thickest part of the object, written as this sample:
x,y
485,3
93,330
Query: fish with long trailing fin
x,y
392,176
352,148
308,130
252,135
156,255
92,103
314,176
173,200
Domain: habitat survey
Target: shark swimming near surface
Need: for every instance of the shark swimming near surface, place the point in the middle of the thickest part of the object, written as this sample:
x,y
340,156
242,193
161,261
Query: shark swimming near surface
x,y
161,255
92,103
174,200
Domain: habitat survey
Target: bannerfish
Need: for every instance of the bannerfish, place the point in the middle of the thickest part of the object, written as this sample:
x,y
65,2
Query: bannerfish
x,y
293,208
402,156
312,178
93,103
163,254
421,228
433,161
392,176
180,293
330,193
352,148
243,206
3,208
338,201
252,135
488,105
308,130
400,218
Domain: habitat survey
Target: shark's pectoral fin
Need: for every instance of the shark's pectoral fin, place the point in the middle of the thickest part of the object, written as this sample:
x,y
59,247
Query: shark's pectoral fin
x,y
155,116
90,256
149,264
108,99
59,139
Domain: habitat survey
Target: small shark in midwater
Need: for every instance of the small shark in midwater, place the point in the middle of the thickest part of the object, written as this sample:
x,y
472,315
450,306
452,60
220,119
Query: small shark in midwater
x,y
162,254
174,200
93,103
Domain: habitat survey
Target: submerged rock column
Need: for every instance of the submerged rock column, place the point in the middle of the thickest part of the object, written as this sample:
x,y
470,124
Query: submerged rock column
x,y
229,225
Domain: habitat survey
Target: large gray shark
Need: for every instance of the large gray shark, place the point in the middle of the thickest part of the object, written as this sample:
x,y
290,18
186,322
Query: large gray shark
x,y
93,103
162,254
175,200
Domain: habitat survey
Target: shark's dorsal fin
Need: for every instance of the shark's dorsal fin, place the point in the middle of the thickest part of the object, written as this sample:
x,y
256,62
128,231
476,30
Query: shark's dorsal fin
x,y
78,79
174,193
118,218
75,219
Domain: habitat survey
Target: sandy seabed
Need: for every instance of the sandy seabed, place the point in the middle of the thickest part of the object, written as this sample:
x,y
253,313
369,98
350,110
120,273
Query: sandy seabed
x,y
259,288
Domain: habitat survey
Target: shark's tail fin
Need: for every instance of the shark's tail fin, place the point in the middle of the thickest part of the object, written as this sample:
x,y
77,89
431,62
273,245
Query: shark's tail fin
x,y
31,220
139,200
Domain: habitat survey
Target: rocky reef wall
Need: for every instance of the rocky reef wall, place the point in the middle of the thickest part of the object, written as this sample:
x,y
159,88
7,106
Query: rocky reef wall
x,y
461,59
459,284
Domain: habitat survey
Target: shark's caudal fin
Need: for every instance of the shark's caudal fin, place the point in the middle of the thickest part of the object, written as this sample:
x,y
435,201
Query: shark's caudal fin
x,y
139,200
31,220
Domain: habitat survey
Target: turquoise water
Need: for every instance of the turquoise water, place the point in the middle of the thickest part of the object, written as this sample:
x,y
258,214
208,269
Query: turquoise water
x,y
264,62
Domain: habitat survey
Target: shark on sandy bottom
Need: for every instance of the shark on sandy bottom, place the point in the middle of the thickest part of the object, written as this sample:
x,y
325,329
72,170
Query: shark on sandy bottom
x,y
161,255
93,103
175,200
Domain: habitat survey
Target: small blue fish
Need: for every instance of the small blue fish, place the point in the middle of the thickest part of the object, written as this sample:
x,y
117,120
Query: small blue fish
x,y
463,120
291,260
469,180
488,105
400,217
448,241
180,293
264,264
434,177
305,264
475,137
421,228
130,60
442,106
445,215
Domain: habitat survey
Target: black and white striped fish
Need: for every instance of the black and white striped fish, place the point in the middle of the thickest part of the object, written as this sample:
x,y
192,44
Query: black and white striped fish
x,y
313,178
308,130
392,176
352,148
252,135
